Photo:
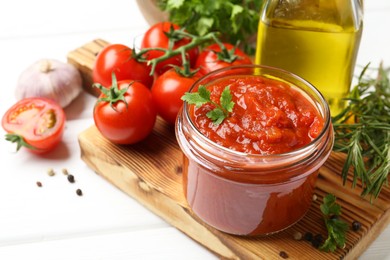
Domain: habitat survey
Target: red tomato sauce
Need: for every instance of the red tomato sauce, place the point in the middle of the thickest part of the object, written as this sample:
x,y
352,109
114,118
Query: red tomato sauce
x,y
269,116
246,208
261,191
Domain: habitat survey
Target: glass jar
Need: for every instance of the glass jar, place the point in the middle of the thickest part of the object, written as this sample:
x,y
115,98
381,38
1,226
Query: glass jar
x,y
317,40
251,194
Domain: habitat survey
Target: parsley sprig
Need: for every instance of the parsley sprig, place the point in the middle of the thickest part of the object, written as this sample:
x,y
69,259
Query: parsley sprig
x,y
220,111
362,131
336,227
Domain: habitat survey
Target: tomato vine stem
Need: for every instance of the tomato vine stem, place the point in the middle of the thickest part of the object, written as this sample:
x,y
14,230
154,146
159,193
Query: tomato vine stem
x,y
168,53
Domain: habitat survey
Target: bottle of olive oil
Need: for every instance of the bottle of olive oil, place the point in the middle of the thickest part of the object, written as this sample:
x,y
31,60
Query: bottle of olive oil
x,y
315,39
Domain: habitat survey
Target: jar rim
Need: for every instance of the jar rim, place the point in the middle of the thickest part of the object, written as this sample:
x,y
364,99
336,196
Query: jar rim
x,y
323,103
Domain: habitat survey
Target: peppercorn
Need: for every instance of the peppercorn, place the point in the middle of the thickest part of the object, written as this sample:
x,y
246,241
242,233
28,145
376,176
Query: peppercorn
x,y
283,254
308,236
39,184
356,225
317,240
79,192
65,171
50,172
297,235
71,178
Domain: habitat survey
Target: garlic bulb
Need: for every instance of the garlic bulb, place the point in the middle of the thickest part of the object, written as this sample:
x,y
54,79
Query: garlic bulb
x,y
52,79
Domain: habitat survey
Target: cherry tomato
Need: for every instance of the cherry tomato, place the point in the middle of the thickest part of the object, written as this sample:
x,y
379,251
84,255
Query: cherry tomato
x,y
121,123
118,58
36,123
208,59
167,92
155,37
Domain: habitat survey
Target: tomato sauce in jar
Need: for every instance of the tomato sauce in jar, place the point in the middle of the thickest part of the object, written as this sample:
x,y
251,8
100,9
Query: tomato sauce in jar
x,y
269,116
254,173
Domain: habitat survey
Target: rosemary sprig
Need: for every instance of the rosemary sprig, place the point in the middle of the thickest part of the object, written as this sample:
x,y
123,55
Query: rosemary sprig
x,y
362,131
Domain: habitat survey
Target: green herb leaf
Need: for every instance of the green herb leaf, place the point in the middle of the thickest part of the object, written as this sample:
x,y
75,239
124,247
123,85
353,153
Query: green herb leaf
x,y
362,131
235,16
336,238
172,4
236,20
197,98
226,100
336,227
204,93
330,207
220,112
216,115
204,25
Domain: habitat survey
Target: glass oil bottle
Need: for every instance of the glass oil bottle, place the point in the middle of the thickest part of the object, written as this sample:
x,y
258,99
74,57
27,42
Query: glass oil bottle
x,y
316,39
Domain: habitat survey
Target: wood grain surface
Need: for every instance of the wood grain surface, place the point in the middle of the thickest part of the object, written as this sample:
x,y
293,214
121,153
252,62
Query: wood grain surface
x,y
83,59
150,172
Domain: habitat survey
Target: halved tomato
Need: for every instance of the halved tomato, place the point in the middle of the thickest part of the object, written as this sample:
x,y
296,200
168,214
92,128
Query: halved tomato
x,y
35,123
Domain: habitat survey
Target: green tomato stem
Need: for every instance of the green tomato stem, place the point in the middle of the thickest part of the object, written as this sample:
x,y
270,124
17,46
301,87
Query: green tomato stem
x,y
19,140
113,94
168,53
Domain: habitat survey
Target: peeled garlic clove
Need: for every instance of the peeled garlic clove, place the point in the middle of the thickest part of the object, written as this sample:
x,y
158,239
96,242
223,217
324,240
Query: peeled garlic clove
x,y
52,79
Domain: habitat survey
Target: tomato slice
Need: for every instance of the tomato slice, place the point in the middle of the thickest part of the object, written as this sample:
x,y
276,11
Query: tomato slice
x,y
36,123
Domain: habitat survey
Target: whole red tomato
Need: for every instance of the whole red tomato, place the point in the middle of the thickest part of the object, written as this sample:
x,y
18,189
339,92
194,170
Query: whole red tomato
x,y
167,91
35,123
155,37
125,114
210,59
118,58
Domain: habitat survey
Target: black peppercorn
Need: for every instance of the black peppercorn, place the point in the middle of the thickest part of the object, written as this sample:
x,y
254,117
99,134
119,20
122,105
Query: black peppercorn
x,y
317,240
79,192
308,236
283,254
71,178
356,225
319,237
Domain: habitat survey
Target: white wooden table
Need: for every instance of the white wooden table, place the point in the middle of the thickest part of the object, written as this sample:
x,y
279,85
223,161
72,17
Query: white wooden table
x,y
52,222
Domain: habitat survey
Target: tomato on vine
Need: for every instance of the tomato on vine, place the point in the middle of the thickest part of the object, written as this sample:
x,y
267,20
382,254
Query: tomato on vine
x,y
161,36
220,55
121,60
167,91
125,113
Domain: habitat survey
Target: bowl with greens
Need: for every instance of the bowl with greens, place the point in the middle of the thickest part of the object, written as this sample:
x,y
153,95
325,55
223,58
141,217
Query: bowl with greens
x,y
235,20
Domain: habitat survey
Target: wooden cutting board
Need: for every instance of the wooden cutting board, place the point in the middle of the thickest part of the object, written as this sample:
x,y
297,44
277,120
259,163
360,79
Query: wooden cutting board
x,y
150,172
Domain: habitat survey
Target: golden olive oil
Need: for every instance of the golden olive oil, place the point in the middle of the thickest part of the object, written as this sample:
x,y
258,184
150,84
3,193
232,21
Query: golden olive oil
x,y
315,39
